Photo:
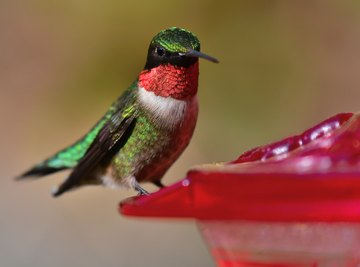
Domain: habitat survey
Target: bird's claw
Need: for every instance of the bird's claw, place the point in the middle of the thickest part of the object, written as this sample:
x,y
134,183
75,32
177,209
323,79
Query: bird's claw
x,y
141,191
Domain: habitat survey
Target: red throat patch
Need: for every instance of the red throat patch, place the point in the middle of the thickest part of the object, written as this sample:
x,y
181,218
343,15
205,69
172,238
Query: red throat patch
x,y
169,80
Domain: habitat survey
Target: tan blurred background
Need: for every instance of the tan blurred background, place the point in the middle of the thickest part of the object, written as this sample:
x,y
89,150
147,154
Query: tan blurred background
x,y
285,65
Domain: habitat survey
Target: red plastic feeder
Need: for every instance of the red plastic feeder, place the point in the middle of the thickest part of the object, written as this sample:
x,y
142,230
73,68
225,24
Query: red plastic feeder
x,y
295,202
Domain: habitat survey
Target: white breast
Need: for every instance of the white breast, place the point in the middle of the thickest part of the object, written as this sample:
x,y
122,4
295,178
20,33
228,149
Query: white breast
x,y
167,111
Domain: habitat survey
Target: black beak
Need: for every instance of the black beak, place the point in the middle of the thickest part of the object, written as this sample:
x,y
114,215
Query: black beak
x,y
194,53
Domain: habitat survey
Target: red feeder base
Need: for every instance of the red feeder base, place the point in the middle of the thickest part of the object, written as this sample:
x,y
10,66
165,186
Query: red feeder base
x,y
295,202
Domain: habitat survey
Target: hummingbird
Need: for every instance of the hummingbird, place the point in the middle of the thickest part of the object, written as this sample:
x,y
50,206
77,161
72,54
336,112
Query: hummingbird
x,y
145,130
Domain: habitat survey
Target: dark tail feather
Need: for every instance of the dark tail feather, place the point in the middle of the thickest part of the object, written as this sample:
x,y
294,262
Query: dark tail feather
x,y
65,186
39,171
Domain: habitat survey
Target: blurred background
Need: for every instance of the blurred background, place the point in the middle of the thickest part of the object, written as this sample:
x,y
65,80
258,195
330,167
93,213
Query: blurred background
x,y
285,65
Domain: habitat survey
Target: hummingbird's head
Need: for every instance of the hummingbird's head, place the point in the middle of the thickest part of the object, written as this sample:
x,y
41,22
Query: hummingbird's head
x,y
172,67
175,46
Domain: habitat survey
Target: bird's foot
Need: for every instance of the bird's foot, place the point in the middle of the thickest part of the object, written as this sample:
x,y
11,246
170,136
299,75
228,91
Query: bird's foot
x,y
141,191
159,184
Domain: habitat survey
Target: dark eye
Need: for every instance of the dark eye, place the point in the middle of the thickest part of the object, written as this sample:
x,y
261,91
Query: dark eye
x,y
160,51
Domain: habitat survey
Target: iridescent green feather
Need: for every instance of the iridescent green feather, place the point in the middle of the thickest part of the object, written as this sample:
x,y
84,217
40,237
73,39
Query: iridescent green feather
x,y
145,136
70,156
176,40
